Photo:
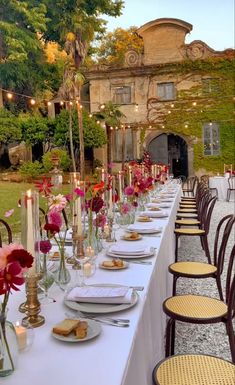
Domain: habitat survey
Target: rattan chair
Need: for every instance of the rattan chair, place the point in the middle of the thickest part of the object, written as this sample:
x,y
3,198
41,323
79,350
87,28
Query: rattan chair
x,y
199,309
188,269
194,369
201,232
193,219
189,186
205,180
5,232
231,183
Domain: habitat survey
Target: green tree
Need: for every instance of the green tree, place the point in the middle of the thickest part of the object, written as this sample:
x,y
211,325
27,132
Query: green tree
x,y
115,44
94,134
10,130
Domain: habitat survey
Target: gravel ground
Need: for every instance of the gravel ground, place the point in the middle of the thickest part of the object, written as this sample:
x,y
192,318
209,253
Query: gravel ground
x,y
212,338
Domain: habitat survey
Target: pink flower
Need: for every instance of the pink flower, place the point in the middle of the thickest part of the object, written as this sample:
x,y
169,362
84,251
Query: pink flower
x,y
10,277
100,220
125,208
5,251
129,190
9,213
57,202
54,217
69,197
79,192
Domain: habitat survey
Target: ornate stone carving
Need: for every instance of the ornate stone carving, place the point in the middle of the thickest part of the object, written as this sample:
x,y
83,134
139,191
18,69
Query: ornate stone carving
x,y
132,58
195,51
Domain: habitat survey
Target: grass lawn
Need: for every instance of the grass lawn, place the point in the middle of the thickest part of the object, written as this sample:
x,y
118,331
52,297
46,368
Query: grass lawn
x,y
10,193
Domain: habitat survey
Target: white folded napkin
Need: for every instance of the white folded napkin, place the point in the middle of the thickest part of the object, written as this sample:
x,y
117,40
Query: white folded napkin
x,y
155,214
152,204
101,294
128,249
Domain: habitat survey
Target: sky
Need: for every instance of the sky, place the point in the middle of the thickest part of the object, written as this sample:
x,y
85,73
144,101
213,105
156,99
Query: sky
x,y
212,20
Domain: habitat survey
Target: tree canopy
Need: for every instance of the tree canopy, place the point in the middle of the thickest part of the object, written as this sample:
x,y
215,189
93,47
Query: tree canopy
x,y
115,44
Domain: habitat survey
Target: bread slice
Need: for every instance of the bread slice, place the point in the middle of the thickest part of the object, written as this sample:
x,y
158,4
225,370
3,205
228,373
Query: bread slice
x,y
65,327
81,330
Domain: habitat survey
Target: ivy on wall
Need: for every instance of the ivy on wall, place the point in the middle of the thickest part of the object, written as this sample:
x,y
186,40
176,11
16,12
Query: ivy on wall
x,y
211,99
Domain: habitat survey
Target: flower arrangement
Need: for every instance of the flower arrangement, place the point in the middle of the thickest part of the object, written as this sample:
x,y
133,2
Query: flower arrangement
x,y
14,263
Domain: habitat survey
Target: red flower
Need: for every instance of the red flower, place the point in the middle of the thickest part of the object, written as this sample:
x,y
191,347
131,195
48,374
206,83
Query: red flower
x,y
44,186
98,187
51,228
97,204
10,277
45,246
23,257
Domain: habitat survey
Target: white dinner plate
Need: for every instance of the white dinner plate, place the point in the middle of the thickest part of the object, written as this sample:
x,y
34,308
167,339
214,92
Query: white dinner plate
x,y
93,331
101,308
130,256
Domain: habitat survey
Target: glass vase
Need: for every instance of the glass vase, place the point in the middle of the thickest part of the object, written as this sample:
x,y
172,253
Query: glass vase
x,y
8,347
62,275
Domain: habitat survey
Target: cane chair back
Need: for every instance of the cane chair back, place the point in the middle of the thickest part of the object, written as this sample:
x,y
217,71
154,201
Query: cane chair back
x,y
231,183
205,180
5,232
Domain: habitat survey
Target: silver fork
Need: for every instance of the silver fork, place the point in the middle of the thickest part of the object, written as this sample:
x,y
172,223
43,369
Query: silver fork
x,y
107,321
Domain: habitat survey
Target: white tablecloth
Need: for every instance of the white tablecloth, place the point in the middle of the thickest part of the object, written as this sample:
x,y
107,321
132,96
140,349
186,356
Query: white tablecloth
x,y
221,183
118,356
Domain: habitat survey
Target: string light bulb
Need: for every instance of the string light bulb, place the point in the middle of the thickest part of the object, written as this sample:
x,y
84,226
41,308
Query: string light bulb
x,y
70,103
32,102
90,115
49,104
194,104
102,107
136,107
9,95
186,126
61,103
172,105
98,122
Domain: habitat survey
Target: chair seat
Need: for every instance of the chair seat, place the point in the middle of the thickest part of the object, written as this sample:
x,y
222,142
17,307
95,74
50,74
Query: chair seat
x,y
184,198
187,211
187,222
193,269
187,206
186,231
186,215
195,307
194,369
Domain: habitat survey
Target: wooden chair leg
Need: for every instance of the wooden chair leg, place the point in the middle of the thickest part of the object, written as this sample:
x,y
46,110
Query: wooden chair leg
x,y
168,337
173,338
207,251
231,338
176,247
219,286
174,285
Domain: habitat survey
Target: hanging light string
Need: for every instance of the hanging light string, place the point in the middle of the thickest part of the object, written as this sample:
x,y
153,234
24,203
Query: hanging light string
x,y
137,125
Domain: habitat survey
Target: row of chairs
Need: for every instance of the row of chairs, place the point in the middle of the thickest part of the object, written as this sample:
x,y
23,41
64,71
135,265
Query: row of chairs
x,y
189,185
200,369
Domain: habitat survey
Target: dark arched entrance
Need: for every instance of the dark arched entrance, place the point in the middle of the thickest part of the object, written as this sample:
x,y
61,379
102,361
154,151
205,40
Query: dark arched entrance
x,y
170,149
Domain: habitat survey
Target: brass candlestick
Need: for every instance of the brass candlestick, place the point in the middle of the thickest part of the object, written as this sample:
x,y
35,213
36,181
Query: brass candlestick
x,y
32,305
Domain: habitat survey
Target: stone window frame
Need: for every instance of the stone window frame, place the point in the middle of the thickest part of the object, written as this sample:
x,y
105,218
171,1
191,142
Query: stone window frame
x,y
120,85
211,139
210,85
165,98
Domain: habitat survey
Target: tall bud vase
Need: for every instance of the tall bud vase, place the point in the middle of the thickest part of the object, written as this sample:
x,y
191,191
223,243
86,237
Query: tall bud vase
x,y
62,275
8,346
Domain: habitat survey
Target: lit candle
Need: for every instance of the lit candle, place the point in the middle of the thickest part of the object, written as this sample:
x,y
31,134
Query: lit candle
x,y
120,185
129,175
110,204
78,208
87,269
30,243
103,174
21,334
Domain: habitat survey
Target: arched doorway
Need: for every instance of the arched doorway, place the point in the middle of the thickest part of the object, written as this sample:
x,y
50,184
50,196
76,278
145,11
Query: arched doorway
x,y
170,149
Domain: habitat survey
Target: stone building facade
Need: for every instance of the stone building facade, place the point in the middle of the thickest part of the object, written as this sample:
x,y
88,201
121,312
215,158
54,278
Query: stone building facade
x,y
145,88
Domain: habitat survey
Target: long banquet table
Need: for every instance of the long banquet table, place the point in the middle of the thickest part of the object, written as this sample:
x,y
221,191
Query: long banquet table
x,y
221,184
118,356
